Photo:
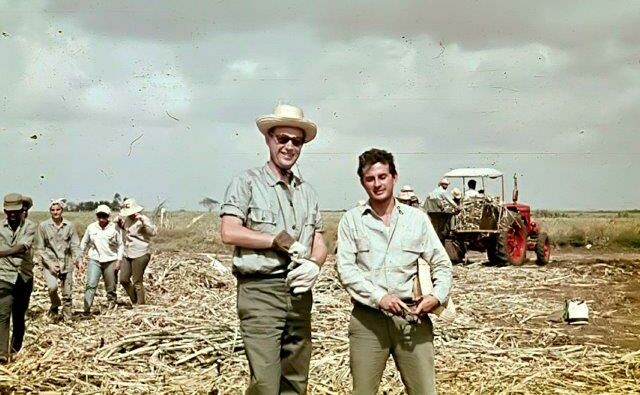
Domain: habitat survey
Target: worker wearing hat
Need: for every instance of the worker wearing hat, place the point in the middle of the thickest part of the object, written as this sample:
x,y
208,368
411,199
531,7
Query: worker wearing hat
x,y
442,196
408,196
272,218
104,242
17,236
137,231
58,248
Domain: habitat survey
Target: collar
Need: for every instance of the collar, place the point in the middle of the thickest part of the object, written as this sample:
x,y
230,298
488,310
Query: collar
x,y
366,208
273,180
65,222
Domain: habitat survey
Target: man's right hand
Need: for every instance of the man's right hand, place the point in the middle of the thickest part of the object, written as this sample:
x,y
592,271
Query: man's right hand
x,y
393,304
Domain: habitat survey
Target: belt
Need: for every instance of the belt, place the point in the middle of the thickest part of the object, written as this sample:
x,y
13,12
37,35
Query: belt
x,y
260,276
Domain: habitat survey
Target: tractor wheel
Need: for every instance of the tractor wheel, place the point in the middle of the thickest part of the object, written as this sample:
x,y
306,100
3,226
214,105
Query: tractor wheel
x,y
511,245
543,249
455,250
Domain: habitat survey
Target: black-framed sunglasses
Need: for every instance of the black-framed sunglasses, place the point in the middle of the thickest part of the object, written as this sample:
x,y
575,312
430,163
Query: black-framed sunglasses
x,y
284,139
102,215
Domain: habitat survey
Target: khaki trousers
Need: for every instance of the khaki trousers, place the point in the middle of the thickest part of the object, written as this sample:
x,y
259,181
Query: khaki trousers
x,y
66,280
134,267
373,336
276,331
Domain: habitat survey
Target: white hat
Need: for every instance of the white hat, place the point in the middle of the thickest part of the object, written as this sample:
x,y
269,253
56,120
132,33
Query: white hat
x,y
286,115
129,206
103,208
456,193
406,188
443,181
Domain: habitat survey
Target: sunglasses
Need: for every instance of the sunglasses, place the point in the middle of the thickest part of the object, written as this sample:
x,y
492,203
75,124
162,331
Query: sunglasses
x,y
284,139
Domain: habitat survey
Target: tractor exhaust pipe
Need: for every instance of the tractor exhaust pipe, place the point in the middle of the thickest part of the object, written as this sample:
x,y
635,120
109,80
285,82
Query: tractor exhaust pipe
x,y
514,195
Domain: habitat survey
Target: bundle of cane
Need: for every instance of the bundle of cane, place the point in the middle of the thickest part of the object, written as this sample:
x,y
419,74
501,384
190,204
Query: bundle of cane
x,y
424,286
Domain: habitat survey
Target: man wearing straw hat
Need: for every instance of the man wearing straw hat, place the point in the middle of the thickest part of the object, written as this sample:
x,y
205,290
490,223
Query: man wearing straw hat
x,y
16,273
58,247
137,231
380,245
271,216
408,196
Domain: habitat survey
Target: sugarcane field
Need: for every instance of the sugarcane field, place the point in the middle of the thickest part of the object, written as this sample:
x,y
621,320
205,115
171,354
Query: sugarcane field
x,y
319,197
509,335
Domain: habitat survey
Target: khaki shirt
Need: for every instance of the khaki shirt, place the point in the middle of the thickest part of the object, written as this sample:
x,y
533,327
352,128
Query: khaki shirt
x,y
375,260
266,204
21,263
58,244
137,234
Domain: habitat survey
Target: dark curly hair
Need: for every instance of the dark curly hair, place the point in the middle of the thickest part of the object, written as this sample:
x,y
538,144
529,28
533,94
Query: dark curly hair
x,y
374,156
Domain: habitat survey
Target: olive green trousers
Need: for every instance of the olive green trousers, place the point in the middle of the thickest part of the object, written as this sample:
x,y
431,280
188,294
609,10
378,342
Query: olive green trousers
x,y
373,336
276,330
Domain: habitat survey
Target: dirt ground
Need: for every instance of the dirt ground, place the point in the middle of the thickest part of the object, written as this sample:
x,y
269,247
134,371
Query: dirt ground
x,y
508,336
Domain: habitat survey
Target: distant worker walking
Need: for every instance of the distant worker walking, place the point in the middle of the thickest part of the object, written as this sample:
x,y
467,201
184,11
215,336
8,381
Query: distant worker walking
x,y
137,231
104,242
58,247
16,273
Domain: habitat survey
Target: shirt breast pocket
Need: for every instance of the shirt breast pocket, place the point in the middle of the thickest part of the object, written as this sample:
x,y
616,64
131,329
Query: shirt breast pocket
x,y
262,220
412,248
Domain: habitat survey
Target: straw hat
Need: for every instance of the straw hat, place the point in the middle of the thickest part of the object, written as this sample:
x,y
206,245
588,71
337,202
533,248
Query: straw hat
x,y
443,181
129,206
12,202
456,193
104,209
407,193
286,115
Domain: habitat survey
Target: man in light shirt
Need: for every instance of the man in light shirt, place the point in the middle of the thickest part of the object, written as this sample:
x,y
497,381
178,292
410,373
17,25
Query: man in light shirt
x,y
104,241
378,249
442,195
471,192
137,231
272,218
58,247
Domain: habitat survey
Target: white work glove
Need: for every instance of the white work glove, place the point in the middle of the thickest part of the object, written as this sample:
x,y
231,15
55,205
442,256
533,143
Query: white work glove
x,y
304,276
297,250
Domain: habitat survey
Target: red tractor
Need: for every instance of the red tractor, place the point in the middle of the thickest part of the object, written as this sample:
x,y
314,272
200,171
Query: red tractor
x,y
482,221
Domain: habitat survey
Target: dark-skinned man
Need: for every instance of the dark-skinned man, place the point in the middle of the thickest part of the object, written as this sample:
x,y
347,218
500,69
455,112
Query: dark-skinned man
x,y
379,245
16,273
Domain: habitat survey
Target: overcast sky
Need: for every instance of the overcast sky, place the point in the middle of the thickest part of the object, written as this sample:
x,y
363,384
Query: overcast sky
x,y
157,99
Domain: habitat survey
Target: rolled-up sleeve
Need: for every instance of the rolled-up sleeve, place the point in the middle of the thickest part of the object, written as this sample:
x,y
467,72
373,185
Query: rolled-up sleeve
x,y
349,274
236,198
318,218
441,268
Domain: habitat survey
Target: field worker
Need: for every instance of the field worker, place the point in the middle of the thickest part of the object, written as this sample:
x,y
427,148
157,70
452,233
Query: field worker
x,y
16,273
456,194
27,203
378,249
137,231
104,241
441,194
272,218
408,196
471,192
58,248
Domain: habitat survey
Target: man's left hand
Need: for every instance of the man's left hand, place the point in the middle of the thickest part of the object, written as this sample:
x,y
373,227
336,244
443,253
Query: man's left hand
x,y
426,305
304,276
